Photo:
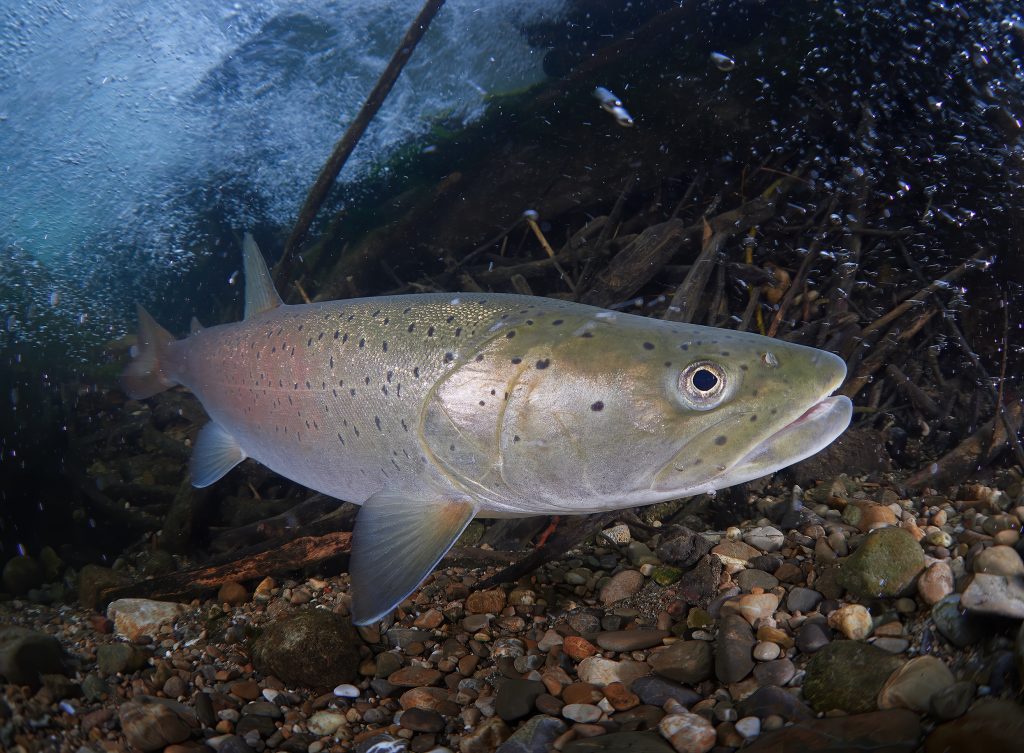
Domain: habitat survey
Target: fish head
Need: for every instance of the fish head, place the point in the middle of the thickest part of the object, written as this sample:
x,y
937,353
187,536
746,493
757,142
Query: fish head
x,y
625,410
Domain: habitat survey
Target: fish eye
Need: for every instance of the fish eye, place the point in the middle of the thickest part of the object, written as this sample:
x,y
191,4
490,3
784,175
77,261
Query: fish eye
x,y
702,385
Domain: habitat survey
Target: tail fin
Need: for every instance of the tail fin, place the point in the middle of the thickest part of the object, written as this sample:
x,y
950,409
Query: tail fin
x,y
144,376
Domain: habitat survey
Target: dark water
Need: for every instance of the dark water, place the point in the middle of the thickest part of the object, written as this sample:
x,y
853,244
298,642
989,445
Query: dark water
x,y
897,124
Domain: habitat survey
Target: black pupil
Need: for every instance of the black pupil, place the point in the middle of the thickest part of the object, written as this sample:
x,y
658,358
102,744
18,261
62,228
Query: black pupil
x,y
704,380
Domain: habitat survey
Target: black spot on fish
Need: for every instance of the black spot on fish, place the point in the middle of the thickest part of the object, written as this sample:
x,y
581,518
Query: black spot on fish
x,y
416,371
376,420
300,327
450,319
721,440
587,334
556,322
337,334
458,331
274,349
405,426
366,380
530,322
515,438
667,364
292,353
386,320
430,331
482,403
493,392
753,417
384,346
345,338
517,360
352,392
362,342
449,357
684,346
597,406
648,346
510,334
744,367
398,390
384,388
389,375
698,461
307,384
309,342
451,447
320,336
375,314
725,354
340,439
543,363
331,361
411,327
479,357
356,430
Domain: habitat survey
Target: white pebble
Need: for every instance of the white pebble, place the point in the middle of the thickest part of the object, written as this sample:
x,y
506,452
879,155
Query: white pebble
x,y
748,727
315,747
271,695
346,691
767,651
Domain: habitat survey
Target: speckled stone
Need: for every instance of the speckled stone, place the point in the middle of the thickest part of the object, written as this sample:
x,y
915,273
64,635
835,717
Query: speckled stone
x,y
848,675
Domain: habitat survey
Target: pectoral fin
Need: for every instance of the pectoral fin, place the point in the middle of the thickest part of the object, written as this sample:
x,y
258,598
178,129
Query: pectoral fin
x,y
216,452
397,541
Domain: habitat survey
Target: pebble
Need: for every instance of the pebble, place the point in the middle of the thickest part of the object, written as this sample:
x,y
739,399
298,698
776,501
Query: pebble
x,y
753,607
135,618
955,624
999,560
750,579
935,583
26,655
619,534
688,733
422,720
535,735
630,640
515,698
655,691
232,593
847,676
621,586
885,565
913,685
326,722
688,662
748,727
767,651
153,726
578,648
952,701
485,602
812,636
346,691
309,647
581,712
852,620
800,599
765,538
995,594
778,672
734,646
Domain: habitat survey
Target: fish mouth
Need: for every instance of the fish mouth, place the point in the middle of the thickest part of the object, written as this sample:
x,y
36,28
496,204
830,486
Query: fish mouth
x,y
808,434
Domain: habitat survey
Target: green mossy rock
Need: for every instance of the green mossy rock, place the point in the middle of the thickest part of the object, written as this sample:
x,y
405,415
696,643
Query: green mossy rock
x,y
22,574
885,565
847,675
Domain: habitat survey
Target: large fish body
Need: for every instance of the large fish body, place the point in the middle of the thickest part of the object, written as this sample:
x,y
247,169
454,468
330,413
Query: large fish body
x,y
430,409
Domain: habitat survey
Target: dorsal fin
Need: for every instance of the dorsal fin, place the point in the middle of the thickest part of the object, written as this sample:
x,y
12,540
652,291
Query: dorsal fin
x,y
260,294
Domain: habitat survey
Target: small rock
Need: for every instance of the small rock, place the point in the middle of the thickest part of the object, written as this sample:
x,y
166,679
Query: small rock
x,y
955,624
990,725
688,733
654,690
684,548
485,737
752,607
913,685
327,722
765,538
600,672
847,675
995,594
617,534
346,691
429,620
247,690
885,564
515,698
952,701
485,602
264,589
734,553
578,648
117,658
619,742
852,620
433,699
778,672
812,636
734,646
152,726
800,599
94,580
581,712
26,655
536,735
774,701
767,651
935,583
750,579
21,574
688,662
232,593
415,677
999,560
310,647
422,720
630,640
878,732
748,727
134,618
621,586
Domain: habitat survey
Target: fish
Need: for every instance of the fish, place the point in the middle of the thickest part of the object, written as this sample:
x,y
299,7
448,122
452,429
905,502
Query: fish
x,y
613,105
429,410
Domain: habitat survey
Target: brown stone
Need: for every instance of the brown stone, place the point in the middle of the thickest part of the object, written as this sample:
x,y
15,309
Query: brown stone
x,y
247,690
895,731
485,602
620,697
232,593
989,726
422,720
432,699
581,692
485,737
414,677
578,648
429,620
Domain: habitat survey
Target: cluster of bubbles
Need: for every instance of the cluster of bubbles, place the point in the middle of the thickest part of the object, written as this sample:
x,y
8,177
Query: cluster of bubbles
x,y
128,130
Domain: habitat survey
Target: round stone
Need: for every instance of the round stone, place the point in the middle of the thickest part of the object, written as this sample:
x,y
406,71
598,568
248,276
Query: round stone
x,y
767,651
748,727
581,712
